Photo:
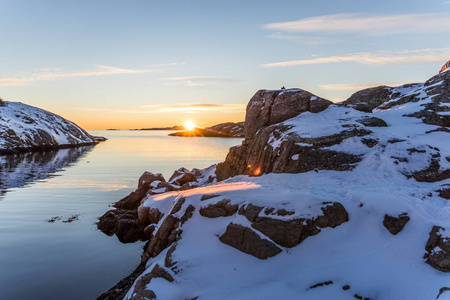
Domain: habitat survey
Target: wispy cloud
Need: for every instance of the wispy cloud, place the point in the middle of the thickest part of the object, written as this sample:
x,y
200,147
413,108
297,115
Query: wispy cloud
x,y
46,74
195,81
367,24
407,57
190,108
312,40
349,87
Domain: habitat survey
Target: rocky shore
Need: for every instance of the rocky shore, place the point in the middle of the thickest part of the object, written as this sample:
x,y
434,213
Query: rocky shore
x,y
320,201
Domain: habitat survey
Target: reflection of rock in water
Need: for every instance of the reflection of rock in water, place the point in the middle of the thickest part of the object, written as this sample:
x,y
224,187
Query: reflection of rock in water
x,y
18,170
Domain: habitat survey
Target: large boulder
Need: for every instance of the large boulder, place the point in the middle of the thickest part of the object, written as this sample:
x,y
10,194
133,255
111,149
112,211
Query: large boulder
x,y
248,241
123,223
272,107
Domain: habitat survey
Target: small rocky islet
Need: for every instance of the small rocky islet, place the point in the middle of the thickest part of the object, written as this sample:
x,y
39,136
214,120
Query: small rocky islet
x,y
321,200
25,128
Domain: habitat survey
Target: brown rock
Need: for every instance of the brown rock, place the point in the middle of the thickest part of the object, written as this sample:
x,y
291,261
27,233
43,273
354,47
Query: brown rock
x,y
284,233
292,232
123,223
395,224
148,177
130,231
222,208
182,176
438,250
140,290
370,98
373,122
444,193
247,241
432,173
250,211
271,107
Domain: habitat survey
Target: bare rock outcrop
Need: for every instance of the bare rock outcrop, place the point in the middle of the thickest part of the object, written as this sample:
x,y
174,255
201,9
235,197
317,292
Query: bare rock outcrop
x,y
438,249
368,99
248,241
222,208
292,232
141,292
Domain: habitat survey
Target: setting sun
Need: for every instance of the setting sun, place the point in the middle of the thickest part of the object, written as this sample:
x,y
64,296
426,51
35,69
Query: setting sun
x,y
189,125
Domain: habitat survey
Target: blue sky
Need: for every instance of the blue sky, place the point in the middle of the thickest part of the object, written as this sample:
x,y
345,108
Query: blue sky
x,y
134,64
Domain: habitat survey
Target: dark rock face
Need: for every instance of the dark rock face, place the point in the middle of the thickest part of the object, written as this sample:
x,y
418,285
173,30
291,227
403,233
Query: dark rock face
x,y
257,157
140,290
123,223
286,233
395,224
248,241
293,232
433,173
222,208
169,230
438,250
368,99
250,211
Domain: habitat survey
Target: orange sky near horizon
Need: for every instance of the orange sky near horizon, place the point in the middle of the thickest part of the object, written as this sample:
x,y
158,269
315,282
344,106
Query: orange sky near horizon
x,y
94,120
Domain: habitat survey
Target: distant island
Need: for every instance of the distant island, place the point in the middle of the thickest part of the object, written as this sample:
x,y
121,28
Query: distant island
x,y
228,130
178,127
112,129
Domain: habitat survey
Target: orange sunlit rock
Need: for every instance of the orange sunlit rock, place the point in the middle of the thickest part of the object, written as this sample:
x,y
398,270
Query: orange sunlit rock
x,y
257,171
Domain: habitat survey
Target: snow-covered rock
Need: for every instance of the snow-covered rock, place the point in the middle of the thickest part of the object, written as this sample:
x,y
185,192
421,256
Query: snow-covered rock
x,y
342,201
26,128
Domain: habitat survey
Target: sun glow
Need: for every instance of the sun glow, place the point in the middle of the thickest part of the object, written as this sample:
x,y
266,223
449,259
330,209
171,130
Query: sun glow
x,y
189,125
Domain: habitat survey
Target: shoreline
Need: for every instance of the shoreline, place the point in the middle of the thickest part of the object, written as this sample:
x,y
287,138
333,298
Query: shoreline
x,y
42,148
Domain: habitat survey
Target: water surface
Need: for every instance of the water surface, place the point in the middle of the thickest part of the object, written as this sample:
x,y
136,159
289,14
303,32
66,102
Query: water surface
x,y
44,260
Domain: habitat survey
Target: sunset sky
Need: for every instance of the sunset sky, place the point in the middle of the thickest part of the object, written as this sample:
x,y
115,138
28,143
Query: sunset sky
x,y
144,63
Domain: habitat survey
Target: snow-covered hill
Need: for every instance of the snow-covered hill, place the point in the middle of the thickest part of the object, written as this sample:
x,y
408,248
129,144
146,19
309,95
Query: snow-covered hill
x,y
363,214
27,128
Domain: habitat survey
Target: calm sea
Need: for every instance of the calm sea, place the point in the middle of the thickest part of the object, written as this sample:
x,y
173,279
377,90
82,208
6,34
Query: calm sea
x,y
73,260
